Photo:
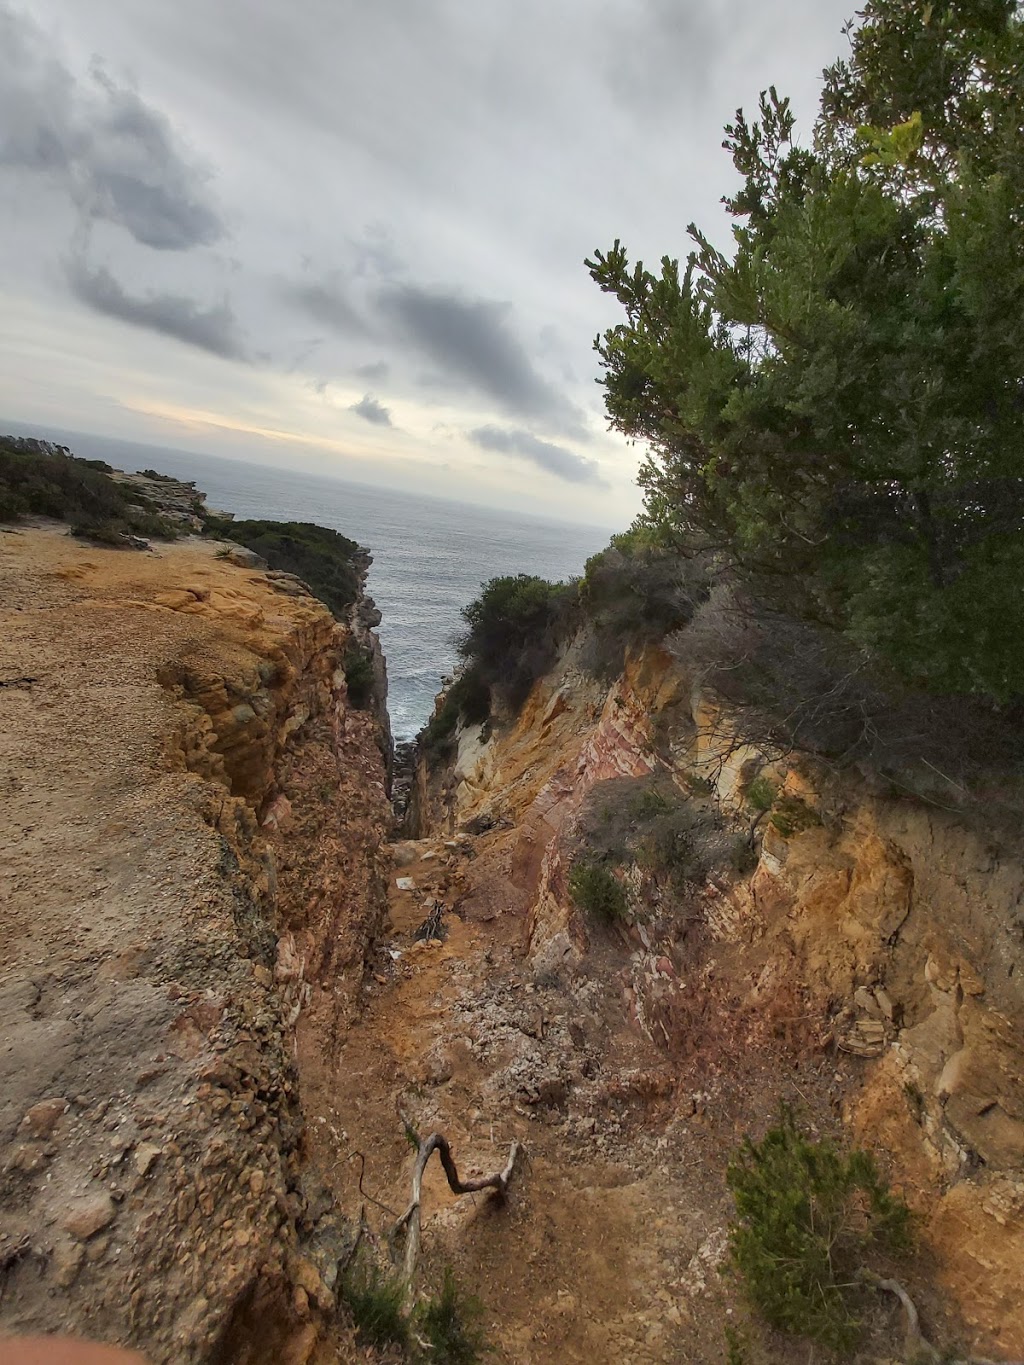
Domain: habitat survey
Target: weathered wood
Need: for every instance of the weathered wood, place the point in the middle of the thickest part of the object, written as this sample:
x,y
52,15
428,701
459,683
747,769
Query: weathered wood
x,y
410,1219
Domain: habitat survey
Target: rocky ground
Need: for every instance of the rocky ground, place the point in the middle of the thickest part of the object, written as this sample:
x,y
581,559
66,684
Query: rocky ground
x,y
150,1125
223,992
612,1243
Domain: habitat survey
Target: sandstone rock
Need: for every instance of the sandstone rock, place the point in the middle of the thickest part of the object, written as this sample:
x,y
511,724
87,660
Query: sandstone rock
x,y
89,1215
144,1156
42,1118
244,558
865,1039
68,1262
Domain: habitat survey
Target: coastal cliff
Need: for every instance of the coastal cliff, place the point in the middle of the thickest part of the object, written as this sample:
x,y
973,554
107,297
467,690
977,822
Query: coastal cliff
x,y
228,996
877,937
195,816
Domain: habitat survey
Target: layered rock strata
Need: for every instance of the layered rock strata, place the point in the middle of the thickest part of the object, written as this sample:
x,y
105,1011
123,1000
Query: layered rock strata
x,y
886,931
193,823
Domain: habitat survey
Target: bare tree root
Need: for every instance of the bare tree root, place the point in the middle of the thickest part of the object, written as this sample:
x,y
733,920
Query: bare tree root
x,y
916,1347
410,1219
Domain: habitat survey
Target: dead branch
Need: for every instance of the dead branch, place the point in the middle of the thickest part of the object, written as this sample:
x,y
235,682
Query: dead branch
x,y
410,1219
915,1345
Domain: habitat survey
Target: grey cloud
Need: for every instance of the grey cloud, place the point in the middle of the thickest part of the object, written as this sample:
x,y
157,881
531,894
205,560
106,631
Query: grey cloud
x,y
375,372
373,411
557,460
471,341
328,303
115,156
174,315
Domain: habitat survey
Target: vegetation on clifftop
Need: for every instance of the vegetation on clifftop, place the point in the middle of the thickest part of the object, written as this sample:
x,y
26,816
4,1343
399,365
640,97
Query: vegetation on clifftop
x,y
329,562
834,410
45,480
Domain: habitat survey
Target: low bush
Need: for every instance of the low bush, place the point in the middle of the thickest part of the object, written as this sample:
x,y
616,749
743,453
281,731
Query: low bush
x,y
329,562
808,1218
449,1324
375,1302
597,892
632,593
360,677
469,700
648,821
512,634
45,480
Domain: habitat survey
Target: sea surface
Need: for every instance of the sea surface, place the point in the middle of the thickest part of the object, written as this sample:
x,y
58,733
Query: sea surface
x,y
430,556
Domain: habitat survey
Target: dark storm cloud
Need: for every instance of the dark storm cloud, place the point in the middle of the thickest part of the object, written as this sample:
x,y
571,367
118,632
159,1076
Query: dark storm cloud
x,y
116,157
557,460
373,411
471,341
174,315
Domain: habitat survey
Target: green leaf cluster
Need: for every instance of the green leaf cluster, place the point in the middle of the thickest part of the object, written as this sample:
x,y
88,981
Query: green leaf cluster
x,y
443,1329
511,635
808,1218
835,405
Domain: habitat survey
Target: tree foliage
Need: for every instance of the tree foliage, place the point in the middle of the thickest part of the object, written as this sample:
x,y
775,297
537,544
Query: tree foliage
x,y
836,405
511,631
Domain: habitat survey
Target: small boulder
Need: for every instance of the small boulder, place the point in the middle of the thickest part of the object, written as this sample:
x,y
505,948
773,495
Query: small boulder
x,y
244,558
89,1215
42,1118
144,1156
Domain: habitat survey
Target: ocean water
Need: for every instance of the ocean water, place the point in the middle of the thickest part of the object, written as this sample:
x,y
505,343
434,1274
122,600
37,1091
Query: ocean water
x,y
430,556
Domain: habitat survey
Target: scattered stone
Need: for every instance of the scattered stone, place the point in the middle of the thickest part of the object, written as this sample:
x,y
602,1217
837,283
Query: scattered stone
x,y
405,883
42,1118
865,1039
89,1215
144,1156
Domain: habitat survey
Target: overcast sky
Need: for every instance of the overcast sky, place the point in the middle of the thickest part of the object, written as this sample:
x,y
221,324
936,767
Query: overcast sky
x,y
348,235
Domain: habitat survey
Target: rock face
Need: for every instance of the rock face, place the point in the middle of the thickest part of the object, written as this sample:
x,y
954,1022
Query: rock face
x,y
891,931
193,824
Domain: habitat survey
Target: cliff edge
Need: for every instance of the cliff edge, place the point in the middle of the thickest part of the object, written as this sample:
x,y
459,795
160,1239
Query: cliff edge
x,y
194,817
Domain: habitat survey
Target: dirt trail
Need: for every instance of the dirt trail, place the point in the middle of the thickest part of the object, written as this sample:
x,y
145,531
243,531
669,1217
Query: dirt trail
x,y
607,1248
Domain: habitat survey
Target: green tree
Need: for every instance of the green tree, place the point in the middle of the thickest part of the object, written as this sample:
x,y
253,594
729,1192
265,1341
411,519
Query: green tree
x,y
836,406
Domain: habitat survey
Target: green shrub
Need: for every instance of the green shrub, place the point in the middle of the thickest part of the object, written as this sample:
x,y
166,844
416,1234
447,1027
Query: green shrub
x,y
597,892
375,1302
469,700
359,676
632,593
449,1324
792,816
761,794
512,634
807,1217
